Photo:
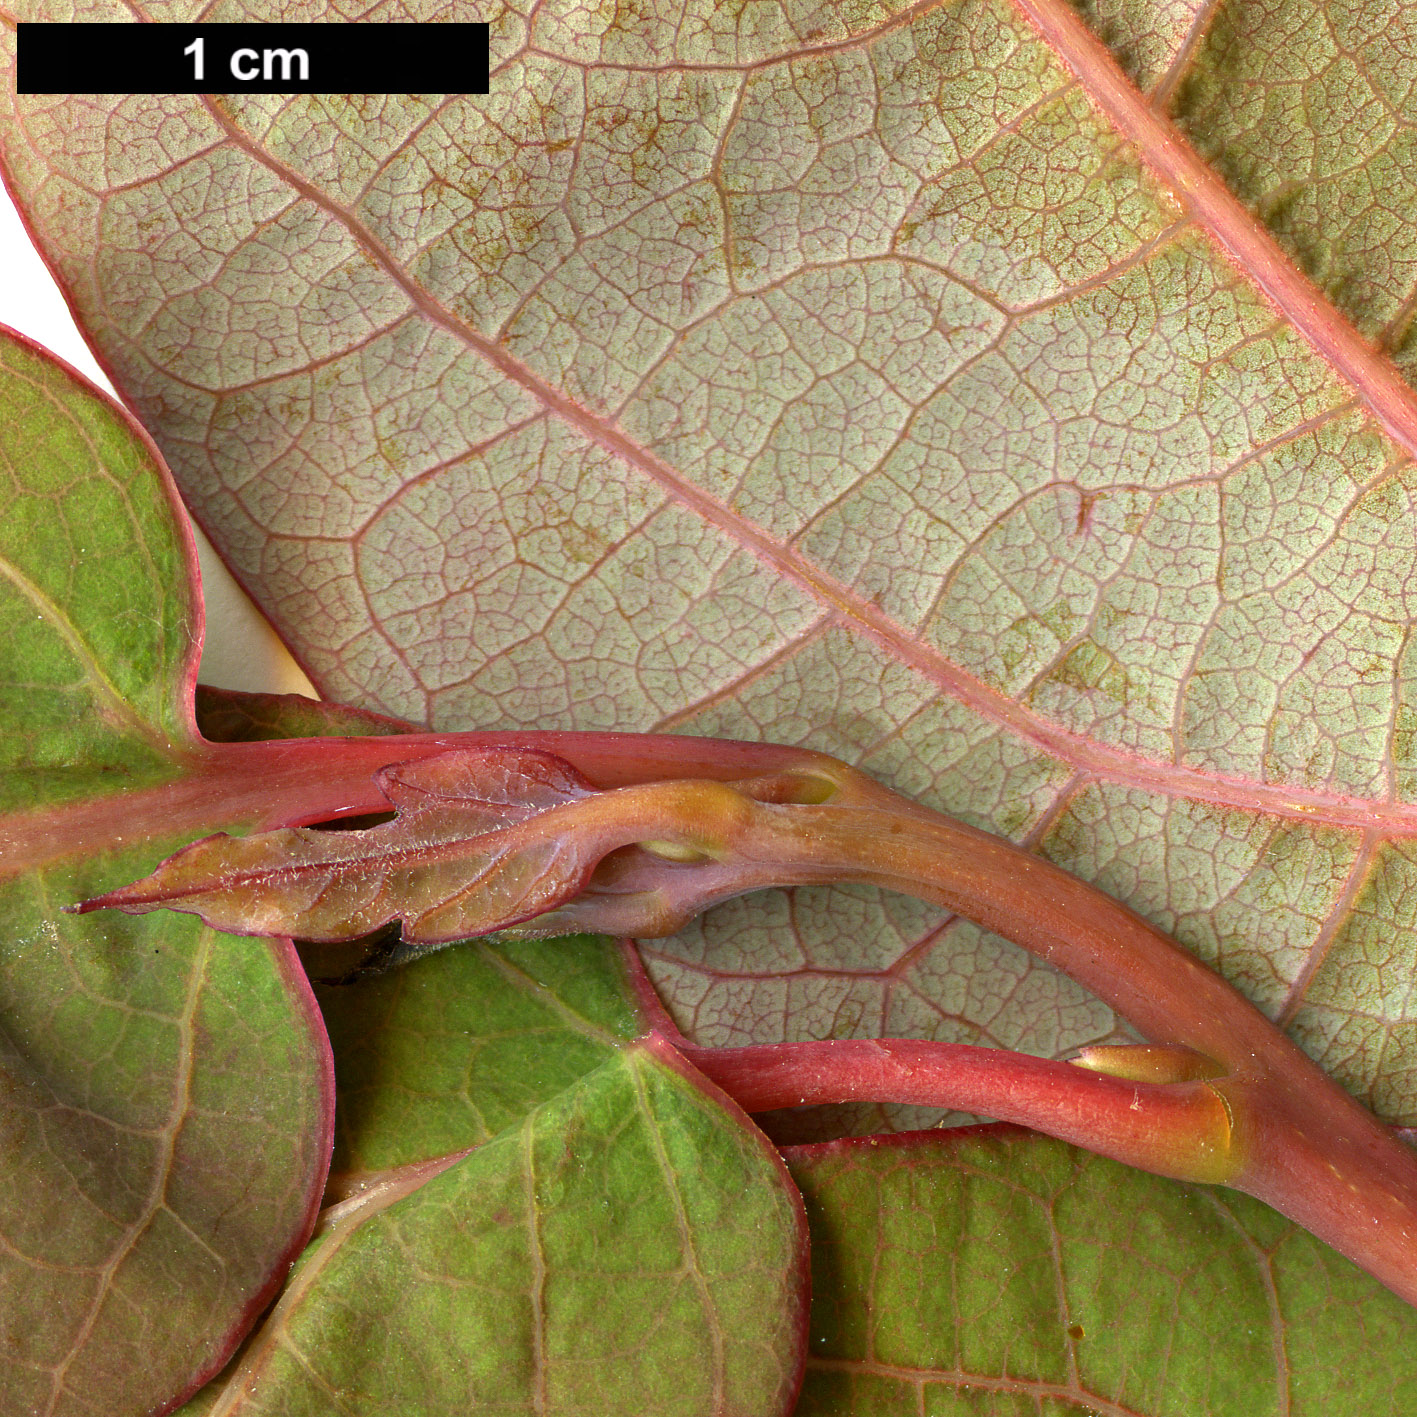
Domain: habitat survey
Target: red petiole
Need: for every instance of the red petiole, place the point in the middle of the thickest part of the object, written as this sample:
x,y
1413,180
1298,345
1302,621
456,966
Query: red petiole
x,y
635,835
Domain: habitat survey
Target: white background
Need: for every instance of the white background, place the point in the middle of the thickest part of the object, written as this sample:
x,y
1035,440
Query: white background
x,y
241,650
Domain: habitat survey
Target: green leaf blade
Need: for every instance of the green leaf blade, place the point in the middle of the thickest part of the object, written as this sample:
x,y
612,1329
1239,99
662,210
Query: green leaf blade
x,y
448,1050
158,1101
165,1093
632,1246
101,629
993,1272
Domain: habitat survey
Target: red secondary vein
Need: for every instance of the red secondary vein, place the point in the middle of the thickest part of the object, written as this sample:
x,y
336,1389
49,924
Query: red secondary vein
x,y
1245,242
853,610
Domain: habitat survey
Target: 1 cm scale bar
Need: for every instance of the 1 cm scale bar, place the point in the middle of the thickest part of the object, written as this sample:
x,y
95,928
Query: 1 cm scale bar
x,y
376,58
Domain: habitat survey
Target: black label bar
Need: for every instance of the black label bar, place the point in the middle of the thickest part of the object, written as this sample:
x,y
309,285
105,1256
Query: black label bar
x,y
276,58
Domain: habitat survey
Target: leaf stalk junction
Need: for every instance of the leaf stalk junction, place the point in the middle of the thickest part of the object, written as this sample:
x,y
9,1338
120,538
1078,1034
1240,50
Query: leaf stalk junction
x,y
540,835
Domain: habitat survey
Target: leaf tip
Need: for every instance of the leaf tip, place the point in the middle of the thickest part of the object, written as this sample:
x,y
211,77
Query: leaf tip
x,y
124,898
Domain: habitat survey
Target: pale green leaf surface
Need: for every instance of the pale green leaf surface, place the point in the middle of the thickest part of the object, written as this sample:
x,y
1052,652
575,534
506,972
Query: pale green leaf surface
x,y
1000,1274
1150,38
630,1246
841,378
163,1098
160,1094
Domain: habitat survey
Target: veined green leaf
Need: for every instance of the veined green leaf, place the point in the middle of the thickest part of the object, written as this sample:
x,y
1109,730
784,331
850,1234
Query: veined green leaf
x,y
631,1246
993,1273
164,1091
100,626
446,1051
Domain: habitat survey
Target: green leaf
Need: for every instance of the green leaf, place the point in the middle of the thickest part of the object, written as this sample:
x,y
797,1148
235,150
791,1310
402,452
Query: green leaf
x,y
164,1091
450,1049
162,1119
101,626
999,1274
631,1246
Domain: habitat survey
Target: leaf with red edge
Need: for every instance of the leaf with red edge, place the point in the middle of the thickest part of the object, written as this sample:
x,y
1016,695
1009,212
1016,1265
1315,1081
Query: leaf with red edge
x,y
446,1051
165,1092
634,1245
